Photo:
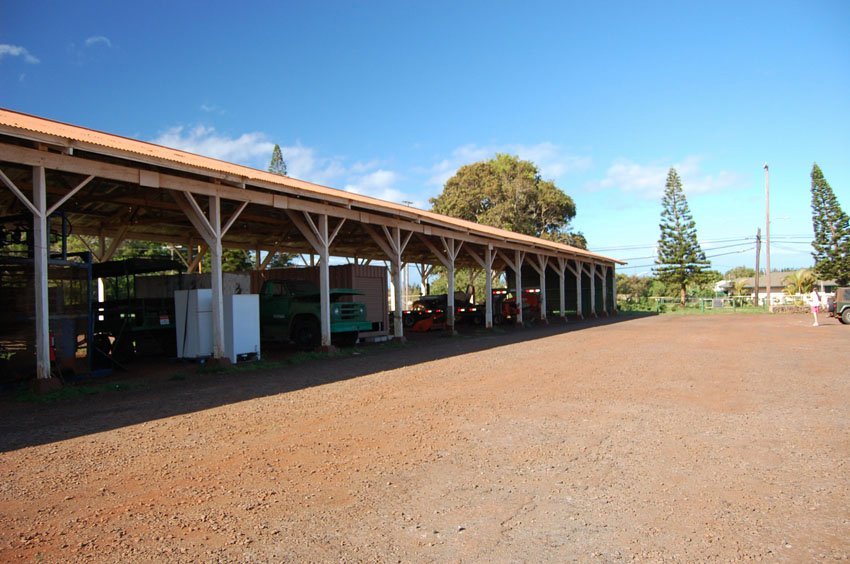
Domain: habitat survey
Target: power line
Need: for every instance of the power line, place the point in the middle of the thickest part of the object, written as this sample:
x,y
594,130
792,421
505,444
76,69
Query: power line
x,y
708,257
747,238
711,249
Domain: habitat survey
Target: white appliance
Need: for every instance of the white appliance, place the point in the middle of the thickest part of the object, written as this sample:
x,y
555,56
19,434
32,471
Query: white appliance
x,y
193,313
242,327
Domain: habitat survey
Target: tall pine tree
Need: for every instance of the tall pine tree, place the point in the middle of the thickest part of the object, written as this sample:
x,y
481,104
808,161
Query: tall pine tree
x,y
832,232
277,164
680,258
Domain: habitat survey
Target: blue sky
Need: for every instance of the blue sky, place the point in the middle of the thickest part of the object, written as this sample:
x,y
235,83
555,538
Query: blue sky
x,y
390,98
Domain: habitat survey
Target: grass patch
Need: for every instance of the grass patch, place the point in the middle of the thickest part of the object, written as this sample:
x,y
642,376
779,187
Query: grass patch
x,y
218,368
713,311
72,391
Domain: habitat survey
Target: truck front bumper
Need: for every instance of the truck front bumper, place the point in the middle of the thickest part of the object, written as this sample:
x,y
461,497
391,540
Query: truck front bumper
x,y
350,326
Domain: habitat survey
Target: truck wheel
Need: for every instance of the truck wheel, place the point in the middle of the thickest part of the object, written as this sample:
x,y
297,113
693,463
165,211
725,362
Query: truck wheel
x,y
306,333
347,339
845,316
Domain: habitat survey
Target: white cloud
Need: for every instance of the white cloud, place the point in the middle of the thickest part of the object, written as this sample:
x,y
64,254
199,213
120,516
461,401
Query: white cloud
x,y
98,40
250,149
7,50
304,163
552,160
381,184
255,149
647,180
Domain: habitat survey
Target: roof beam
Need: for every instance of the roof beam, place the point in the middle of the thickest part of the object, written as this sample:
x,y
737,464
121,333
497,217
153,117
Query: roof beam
x,y
302,196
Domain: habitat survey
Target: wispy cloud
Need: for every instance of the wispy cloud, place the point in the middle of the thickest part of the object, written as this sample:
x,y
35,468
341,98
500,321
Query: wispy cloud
x,y
7,50
211,109
98,40
552,160
647,180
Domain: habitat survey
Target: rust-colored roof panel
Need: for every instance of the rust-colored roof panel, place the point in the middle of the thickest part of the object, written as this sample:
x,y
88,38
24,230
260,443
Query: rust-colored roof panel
x,y
82,137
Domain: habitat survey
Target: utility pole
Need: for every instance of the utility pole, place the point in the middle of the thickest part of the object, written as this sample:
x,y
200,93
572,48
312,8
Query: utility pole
x,y
767,234
756,281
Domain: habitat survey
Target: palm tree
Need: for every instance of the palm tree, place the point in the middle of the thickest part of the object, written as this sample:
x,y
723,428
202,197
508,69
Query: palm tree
x,y
800,282
738,289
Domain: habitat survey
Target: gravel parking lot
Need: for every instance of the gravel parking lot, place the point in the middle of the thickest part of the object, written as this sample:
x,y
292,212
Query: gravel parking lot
x,y
691,438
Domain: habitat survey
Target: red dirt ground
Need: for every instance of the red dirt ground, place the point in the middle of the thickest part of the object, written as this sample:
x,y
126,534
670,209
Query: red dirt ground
x,y
691,438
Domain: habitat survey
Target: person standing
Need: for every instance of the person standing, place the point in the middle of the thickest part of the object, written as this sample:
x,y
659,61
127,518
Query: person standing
x,y
814,302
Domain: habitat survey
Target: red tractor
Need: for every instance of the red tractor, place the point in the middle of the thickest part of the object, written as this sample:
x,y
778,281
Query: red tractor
x,y
505,305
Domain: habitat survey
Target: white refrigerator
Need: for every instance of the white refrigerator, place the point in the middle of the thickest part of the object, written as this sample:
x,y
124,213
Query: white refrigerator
x,y
193,313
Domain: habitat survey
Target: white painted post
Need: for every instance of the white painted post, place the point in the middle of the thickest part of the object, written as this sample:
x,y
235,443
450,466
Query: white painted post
x,y
579,272
216,278
450,301
543,262
592,271
324,283
488,267
392,283
604,270
40,254
398,314
562,300
518,257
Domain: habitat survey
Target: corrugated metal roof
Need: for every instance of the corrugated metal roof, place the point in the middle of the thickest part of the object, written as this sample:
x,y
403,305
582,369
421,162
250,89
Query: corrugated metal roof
x,y
76,136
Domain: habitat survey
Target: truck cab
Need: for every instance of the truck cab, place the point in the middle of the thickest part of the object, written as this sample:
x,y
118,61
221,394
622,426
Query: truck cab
x,y
290,310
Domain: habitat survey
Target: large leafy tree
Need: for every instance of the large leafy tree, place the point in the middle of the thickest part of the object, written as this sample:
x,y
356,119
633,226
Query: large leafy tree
x,y
277,164
740,272
832,232
681,260
509,193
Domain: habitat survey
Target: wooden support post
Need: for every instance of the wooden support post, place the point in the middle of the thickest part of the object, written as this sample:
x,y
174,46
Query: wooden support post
x,y
393,245
211,231
320,239
424,271
447,256
591,270
578,272
41,251
324,282
216,283
449,244
398,313
519,256
487,264
604,271
540,267
516,266
488,270
562,290
614,289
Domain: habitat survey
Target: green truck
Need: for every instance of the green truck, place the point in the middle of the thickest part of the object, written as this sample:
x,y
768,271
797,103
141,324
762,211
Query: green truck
x,y
290,309
840,308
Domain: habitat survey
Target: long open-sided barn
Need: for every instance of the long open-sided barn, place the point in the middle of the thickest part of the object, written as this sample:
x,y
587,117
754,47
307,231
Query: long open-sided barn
x,y
77,181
